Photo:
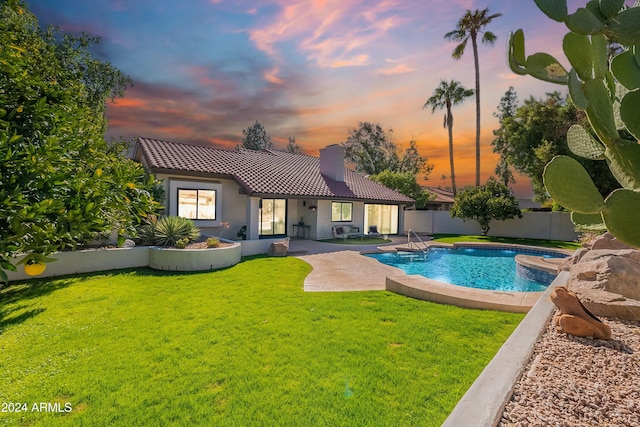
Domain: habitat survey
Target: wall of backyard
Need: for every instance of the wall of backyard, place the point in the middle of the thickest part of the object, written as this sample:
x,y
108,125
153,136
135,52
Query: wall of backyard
x,y
533,225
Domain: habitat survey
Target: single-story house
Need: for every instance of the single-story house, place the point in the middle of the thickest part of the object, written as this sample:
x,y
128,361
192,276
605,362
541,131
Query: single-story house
x,y
271,193
443,200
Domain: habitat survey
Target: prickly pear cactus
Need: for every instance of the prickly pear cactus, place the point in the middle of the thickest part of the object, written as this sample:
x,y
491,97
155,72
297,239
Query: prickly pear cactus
x,y
608,91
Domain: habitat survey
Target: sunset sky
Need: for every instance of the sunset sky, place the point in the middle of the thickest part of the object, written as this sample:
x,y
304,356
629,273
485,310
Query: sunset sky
x,y
204,70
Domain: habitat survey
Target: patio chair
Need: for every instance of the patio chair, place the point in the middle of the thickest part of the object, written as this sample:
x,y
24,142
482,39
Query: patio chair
x,y
373,231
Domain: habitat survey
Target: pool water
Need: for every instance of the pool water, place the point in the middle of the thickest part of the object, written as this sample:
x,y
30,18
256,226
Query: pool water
x,y
491,269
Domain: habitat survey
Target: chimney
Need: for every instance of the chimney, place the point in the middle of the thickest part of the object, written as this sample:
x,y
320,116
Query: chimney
x,y
332,162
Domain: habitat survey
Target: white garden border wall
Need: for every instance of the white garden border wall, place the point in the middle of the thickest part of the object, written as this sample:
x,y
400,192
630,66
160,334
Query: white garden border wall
x,y
93,260
532,225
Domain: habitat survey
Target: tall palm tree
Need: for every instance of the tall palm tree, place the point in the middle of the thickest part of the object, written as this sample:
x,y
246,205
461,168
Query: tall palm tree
x,y
468,27
446,95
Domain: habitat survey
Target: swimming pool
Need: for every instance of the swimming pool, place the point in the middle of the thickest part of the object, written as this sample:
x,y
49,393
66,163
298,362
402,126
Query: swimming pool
x,y
480,268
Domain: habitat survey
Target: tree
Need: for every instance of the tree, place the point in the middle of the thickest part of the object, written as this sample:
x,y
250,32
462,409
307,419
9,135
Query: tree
x,y
506,111
255,138
446,95
468,28
292,147
60,182
405,183
485,203
412,162
373,151
528,140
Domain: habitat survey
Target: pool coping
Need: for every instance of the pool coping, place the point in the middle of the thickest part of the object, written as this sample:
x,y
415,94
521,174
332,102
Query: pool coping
x,y
423,288
484,402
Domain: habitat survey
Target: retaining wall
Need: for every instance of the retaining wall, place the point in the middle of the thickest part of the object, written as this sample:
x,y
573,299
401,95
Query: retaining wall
x,y
92,260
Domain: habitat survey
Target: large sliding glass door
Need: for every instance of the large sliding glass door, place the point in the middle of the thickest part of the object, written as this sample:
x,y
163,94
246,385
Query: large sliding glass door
x,y
273,217
384,217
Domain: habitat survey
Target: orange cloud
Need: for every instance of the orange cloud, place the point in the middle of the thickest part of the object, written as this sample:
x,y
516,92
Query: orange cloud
x,y
127,102
398,69
272,76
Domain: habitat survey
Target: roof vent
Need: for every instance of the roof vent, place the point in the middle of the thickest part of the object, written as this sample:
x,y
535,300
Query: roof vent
x,y
332,162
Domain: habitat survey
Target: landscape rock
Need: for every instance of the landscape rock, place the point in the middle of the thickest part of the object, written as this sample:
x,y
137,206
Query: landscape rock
x,y
606,280
574,318
279,248
606,241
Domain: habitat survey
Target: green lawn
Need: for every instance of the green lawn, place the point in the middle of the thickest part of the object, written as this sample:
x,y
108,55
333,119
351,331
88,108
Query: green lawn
x,y
244,346
455,238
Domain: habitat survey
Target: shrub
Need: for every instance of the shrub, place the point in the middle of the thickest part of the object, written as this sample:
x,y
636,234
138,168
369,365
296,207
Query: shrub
x,y
182,243
242,233
213,242
168,230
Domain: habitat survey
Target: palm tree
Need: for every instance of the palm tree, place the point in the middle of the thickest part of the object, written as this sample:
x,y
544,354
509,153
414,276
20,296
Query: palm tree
x,y
468,28
444,96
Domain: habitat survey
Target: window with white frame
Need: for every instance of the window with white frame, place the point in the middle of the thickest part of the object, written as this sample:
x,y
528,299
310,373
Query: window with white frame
x,y
197,203
341,211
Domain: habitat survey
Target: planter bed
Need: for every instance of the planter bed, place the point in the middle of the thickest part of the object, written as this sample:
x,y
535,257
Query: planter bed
x,y
105,259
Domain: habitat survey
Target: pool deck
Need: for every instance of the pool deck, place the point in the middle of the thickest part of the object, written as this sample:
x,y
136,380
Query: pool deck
x,y
340,268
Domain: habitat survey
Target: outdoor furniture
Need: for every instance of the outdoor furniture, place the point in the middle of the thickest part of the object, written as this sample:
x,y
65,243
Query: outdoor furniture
x,y
347,231
373,231
301,230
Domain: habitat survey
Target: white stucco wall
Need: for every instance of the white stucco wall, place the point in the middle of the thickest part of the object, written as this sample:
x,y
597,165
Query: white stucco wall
x,y
87,261
535,225
231,212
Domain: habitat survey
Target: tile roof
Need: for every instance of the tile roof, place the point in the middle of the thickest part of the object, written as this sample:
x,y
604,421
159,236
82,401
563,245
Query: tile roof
x,y
263,172
442,196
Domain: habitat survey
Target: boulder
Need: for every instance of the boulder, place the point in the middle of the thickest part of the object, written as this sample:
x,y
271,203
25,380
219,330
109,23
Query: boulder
x,y
606,241
607,281
279,248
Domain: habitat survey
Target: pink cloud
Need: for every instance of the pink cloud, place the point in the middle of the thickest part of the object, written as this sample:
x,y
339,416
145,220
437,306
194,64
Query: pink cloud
x,y
332,33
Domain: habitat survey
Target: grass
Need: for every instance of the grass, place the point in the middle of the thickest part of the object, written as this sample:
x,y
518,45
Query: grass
x,y
455,238
240,346
358,241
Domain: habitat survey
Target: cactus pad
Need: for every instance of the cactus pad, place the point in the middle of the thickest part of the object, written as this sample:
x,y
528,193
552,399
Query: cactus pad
x,y
582,144
591,222
610,8
585,22
624,27
630,112
621,216
570,185
624,162
626,69
554,9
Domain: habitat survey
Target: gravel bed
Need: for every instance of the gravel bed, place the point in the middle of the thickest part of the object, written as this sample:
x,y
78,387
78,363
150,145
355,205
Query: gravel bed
x,y
572,381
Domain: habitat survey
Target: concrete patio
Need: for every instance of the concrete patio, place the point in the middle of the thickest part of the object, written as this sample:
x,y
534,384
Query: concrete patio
x,y
340,267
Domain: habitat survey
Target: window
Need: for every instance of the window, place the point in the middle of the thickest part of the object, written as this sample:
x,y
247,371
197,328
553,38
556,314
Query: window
x,y
384,217
273,213
196,203
341,211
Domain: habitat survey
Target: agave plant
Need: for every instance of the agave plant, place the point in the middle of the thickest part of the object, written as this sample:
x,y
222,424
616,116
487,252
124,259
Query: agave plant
x,y
168,230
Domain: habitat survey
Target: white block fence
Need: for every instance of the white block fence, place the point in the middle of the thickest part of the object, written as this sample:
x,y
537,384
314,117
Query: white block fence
x,y
533,225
